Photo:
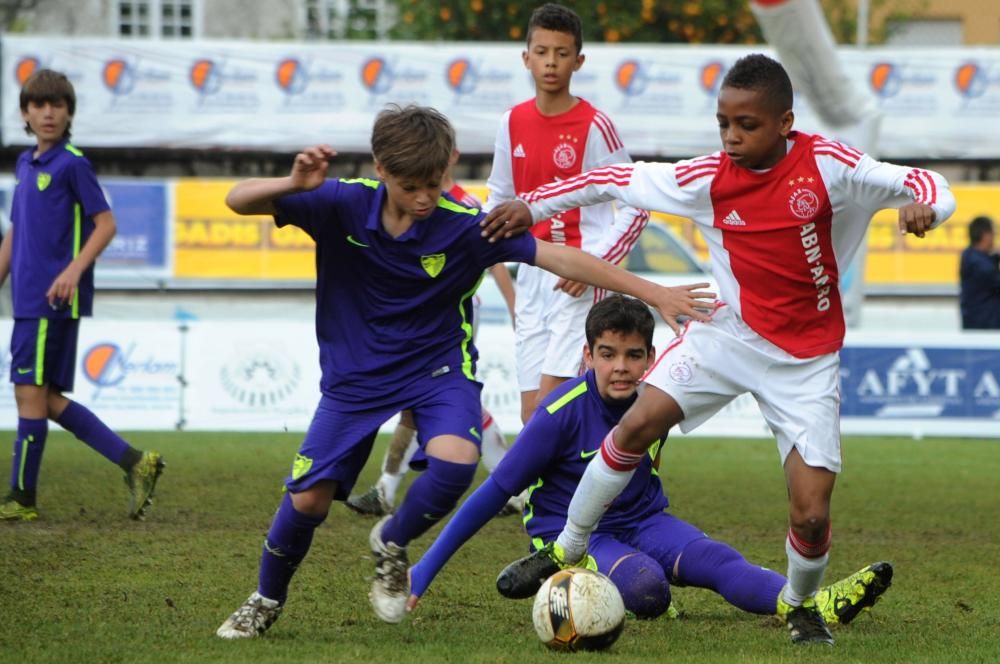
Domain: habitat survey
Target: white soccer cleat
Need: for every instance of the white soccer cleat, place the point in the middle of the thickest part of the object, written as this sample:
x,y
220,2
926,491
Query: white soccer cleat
x,y
252,619
391,586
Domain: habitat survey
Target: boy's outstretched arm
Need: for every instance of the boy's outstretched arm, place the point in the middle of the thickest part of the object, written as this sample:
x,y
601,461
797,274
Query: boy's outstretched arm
x,y
256,195
577,265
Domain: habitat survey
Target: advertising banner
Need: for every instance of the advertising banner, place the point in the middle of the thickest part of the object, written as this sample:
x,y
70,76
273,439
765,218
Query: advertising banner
x,y
213,243
264,376
251,376
127,373
937,103
928,387
139,254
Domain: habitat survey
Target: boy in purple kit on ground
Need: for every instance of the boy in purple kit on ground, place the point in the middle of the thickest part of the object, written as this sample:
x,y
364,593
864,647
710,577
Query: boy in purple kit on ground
x,y
641,546
60,223
397,265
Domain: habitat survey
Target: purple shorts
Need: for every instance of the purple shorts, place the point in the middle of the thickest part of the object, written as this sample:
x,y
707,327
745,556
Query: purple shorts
x,y
43,352
660,536
340,437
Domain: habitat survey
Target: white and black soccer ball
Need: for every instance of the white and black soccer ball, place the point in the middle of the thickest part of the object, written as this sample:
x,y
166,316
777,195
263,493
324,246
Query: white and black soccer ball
x,y
577,609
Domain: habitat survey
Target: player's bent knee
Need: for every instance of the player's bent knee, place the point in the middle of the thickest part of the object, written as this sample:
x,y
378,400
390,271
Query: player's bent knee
x,y
643,586
454,449
315,501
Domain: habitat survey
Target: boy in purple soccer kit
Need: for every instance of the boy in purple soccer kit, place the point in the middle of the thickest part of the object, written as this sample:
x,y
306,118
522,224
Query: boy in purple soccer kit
x,y
640,546
60,223
397,266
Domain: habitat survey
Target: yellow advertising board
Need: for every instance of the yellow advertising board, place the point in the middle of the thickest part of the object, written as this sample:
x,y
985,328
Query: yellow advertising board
x,y
212,242
893,259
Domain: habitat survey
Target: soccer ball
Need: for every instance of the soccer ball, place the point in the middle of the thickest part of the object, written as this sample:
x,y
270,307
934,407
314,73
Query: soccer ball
x,y
577,609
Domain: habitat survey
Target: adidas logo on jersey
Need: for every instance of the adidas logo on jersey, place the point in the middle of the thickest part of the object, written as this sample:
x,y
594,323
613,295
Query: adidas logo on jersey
x,y
519,151
733,219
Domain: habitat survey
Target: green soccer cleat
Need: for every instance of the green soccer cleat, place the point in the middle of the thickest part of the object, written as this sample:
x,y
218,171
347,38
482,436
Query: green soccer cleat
x,y
841,602
805,623
522,578
141,482
11,510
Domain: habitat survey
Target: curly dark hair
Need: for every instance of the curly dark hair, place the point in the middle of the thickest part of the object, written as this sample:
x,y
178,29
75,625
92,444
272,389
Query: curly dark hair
x,y
557,18
763,74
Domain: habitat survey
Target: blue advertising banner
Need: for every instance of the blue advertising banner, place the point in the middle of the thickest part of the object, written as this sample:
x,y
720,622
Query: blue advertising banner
x,y
141,253
138,256
920,381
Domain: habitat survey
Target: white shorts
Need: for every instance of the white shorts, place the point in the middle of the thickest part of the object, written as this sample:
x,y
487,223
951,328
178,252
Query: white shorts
x,y
549,330
712,363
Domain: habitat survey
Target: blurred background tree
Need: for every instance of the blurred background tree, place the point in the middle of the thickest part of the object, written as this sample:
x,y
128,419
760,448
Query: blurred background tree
x,y
677,21
649,21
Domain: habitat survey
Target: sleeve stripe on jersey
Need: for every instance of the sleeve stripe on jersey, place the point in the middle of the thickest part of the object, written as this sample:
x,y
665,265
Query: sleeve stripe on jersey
x,y
694,174
625,243
923,186
620,175
839,156
611,138
700,162
837,145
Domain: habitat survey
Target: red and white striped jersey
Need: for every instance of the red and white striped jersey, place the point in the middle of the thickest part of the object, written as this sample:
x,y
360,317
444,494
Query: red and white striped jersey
x,y
534,149
779,239
462,196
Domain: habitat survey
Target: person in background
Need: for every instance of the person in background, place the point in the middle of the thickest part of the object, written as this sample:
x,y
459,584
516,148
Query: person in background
x,y
60,224
979,278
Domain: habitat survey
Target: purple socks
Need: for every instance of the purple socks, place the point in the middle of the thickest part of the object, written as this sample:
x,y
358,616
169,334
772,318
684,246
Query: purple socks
x,y
285,546
429,499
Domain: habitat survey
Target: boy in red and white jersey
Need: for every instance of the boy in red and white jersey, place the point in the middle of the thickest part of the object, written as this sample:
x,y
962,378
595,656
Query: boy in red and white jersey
x,y
782,213
553,137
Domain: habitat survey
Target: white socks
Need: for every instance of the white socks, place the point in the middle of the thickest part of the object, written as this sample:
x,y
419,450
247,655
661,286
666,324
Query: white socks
x,y
607,476
804,574
494,444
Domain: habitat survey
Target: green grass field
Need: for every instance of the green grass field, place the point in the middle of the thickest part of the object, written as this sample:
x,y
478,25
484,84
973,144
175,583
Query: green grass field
x,y
83,583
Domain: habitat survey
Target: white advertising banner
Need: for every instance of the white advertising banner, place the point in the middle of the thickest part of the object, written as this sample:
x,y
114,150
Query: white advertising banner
x,y
250,376
937,103
127,372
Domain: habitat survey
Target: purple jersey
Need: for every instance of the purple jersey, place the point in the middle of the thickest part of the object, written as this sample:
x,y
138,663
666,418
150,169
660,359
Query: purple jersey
x,y
552,452
55,199
391,312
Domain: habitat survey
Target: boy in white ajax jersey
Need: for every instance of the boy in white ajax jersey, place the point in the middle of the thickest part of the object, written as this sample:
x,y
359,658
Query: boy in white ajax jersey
x,y
782,213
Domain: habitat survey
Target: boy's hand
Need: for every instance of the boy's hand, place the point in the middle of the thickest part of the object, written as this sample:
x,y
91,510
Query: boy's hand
x,y
683,301
570,287
507,220
61,292
310,167
915,218
411,601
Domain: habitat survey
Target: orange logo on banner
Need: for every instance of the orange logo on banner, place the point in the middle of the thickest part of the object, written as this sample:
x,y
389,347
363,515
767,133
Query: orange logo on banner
x,y
883,79
626,77
456,75
97,362
290,76
374,75
711,76
203,76
25,68
114,74
968,80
